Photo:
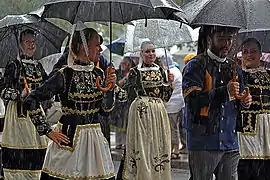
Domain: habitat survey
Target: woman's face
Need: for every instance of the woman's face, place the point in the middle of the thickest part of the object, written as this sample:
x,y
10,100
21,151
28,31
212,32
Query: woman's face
x,y
94,47
28,44
125,66
148,53
251,55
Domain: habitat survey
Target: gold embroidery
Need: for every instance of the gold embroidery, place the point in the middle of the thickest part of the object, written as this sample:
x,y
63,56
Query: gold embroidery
x,y
142,109
154,100
258,86
255,157
81,95
189,90
34,112
58,175
34,80
249,129
77,134
21,171
67,110
256,111
22,147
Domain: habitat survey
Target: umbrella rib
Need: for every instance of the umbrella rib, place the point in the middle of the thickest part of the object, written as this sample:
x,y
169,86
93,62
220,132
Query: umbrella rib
x,y
4,35
121,12
75,15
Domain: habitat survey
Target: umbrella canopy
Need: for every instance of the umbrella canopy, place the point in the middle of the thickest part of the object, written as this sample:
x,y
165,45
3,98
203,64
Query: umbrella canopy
x,y
163,33
249,14
262,36
49,36
122,11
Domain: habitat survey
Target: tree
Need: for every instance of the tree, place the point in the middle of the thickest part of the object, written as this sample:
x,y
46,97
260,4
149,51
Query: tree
x,y
19,6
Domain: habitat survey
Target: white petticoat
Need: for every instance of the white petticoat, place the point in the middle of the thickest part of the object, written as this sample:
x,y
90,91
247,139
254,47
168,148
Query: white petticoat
x,y
256,146
89,158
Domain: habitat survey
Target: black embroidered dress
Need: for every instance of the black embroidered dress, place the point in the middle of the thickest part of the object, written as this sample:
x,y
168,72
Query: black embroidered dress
x,y
87,156
23,149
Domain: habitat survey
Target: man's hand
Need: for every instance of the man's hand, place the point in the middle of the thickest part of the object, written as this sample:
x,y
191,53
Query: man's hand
x,y
233,88
58,137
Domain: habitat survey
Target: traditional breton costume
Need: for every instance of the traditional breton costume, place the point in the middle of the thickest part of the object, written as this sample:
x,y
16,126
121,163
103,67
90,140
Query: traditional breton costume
x,y
23,149
148,141
254,139
87,156
119,115
211,116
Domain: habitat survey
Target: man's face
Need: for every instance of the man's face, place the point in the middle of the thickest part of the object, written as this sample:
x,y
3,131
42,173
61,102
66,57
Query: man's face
x,y
221,43
148,53
94,48
28,44
251,55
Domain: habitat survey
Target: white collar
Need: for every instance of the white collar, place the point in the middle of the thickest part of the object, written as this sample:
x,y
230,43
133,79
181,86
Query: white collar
x,y
86,68
28,61
254,70
154,68
215,57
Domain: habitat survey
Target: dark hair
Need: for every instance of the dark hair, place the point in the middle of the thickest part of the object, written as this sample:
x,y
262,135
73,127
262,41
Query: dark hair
x,y
208,30
252,40
101,39
25,32
77,40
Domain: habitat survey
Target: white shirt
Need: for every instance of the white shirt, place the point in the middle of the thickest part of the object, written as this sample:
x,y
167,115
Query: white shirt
x,y
176,102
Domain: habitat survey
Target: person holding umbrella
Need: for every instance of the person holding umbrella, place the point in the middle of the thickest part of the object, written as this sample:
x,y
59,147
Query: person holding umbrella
x,y
211,108
254,138
23,150
87,154
148,140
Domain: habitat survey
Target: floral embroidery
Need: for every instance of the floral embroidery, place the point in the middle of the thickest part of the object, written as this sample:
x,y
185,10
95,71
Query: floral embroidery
x,y
142,109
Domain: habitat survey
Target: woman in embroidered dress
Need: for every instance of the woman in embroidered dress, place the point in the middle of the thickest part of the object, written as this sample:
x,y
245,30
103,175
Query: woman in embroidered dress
x,y
87,156
23,149
119,115
148,141
254,140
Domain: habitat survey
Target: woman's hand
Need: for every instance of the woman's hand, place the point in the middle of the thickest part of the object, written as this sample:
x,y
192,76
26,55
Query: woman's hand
x,y
170,77
57,137
111,76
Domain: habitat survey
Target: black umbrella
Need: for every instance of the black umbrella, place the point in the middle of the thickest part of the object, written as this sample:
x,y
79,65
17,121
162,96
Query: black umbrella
x,y
49,36
122,11
262,36
119,11
249,14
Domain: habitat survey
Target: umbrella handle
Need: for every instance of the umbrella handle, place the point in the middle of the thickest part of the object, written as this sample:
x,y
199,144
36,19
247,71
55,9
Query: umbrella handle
x,y
235,79
109,86
26,86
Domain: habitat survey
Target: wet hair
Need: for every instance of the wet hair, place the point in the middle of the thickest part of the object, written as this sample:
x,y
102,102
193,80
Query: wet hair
x,y
146,43
101,39
26,32
211,30
252,40
77,40
208,30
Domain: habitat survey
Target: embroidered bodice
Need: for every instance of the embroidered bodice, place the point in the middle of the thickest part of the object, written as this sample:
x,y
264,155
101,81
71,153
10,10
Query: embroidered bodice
x,y
15,73
258,81
80,98
148,81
